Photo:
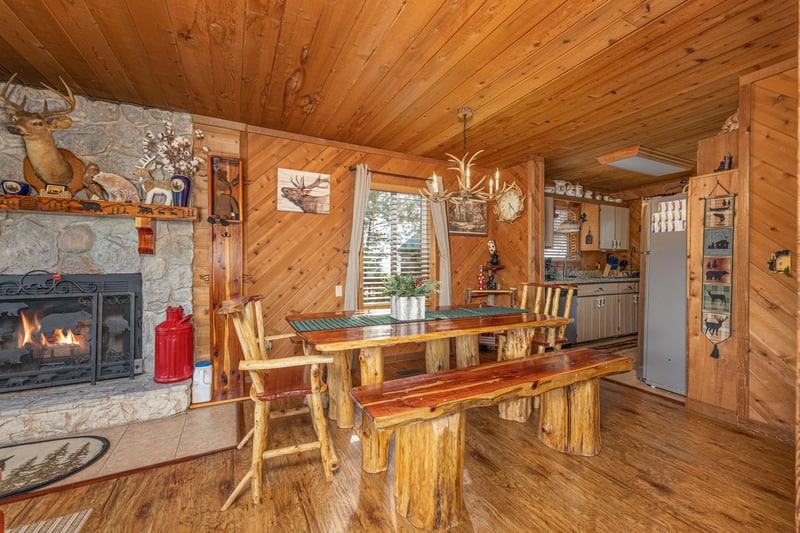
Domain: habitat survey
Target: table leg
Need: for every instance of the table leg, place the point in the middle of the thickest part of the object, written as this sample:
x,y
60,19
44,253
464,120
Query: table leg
x,y
437,355
516,345
340,406
374,443
467,351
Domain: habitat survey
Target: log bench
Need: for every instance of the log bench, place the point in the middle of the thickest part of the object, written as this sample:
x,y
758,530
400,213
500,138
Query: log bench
x,y
426,412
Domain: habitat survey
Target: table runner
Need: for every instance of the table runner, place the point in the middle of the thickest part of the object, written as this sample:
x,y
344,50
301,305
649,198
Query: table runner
x,y
358,321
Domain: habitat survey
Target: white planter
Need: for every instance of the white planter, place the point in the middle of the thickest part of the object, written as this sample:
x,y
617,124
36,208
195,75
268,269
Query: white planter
x,y
408,307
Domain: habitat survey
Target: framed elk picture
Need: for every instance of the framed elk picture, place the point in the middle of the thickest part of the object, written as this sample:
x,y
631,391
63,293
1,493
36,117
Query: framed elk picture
x,y
304,192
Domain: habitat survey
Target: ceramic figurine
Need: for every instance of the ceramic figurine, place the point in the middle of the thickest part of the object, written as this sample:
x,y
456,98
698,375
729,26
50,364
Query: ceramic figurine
x,y
495,255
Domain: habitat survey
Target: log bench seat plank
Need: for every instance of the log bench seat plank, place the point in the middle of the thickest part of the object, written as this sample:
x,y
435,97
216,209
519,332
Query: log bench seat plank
x,y
427,396
426,412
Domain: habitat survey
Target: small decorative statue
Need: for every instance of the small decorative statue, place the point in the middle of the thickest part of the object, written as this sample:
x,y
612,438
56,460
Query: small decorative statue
x,y
495,260
481,279
491,284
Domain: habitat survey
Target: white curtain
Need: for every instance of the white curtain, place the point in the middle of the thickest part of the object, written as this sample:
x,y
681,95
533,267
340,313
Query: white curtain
x,y
360,200
439,217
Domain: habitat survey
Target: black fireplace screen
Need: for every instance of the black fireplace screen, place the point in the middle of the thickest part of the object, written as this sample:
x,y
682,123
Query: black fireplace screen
x,y
56,330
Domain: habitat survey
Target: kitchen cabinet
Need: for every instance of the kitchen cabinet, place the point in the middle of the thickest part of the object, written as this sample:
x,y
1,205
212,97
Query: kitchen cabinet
x,y
614,226
607,310
628,308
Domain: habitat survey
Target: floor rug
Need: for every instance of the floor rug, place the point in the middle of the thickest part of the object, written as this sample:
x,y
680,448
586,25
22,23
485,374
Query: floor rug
x,y
71,523
30,466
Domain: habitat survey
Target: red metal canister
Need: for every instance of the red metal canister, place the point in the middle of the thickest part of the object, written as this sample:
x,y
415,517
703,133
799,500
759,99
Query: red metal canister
x,y
174,347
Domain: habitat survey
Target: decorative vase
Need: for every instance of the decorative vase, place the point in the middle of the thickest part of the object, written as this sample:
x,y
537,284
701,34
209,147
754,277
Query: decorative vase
x,y
408,307
180,190
18,188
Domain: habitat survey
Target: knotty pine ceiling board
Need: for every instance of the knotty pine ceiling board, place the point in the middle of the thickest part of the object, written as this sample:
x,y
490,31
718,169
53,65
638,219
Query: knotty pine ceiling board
x,y
558,79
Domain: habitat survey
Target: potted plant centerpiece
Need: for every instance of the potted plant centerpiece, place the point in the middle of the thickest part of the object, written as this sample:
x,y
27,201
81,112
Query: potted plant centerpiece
x,y
408,292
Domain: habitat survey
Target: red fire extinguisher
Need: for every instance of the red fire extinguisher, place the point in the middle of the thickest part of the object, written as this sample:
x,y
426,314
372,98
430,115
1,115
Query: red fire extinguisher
x,y
174,347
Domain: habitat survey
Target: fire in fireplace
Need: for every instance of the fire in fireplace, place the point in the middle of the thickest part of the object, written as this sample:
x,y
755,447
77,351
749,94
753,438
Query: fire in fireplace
x,y
56,330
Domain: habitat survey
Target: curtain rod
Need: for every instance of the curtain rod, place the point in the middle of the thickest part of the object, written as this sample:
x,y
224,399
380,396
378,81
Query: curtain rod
x,y
352,168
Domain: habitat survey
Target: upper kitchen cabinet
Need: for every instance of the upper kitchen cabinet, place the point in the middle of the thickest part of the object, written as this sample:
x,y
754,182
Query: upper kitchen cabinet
x,y
614,225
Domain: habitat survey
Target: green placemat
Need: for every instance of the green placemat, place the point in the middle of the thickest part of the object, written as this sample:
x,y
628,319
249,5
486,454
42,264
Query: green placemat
x,y
358,321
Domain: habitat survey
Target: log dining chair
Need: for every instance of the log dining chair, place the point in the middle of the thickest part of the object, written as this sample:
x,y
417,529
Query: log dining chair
x,y
273,379
545,299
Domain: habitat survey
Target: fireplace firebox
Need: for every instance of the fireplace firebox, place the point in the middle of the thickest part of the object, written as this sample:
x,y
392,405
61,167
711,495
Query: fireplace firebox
x,y
57,330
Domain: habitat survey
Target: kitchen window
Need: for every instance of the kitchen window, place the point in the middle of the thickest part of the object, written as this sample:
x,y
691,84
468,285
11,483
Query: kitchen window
x,y
565,245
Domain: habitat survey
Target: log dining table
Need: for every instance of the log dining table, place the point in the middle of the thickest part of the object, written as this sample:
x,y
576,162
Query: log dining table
x,y
369,332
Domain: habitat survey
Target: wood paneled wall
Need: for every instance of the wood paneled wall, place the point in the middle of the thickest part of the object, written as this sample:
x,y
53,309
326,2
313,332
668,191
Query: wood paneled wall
x,y
711,383
769,107
217,264
753,381
296,260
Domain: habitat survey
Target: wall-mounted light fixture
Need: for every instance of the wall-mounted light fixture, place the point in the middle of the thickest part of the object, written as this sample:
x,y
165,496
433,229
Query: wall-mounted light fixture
x,y
646,161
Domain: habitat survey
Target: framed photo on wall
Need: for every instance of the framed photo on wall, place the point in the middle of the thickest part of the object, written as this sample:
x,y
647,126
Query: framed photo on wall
x,y
225,188
467,217
304,192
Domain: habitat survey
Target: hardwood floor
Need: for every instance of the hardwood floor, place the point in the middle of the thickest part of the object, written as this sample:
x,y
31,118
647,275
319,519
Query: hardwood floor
x,y
661,469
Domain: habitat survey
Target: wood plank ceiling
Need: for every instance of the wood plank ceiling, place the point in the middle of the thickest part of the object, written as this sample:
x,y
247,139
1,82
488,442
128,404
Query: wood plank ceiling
x,y
565,80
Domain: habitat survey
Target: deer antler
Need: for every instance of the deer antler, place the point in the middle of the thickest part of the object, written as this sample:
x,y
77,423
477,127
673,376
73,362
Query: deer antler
x,y
318,183
462,166
10,103
69,98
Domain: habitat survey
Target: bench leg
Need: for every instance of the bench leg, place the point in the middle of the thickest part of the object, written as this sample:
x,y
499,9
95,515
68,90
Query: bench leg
x,y
569,418
429,471
437,355
516,345
374,443
467,351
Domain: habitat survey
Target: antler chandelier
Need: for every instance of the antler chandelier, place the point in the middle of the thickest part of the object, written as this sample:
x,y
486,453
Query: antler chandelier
x,y
466,190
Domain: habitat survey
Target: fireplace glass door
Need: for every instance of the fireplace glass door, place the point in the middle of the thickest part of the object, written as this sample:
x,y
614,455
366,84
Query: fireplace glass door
x,y
46,341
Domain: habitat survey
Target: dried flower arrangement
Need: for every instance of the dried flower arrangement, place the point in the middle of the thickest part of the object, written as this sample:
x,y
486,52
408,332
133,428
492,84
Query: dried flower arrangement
x,y
171,153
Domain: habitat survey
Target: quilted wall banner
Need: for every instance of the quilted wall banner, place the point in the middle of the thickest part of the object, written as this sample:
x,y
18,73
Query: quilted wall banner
x,y
717,269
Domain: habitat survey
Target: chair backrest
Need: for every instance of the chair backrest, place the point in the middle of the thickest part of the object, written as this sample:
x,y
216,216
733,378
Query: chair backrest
x,y
545,298
248,321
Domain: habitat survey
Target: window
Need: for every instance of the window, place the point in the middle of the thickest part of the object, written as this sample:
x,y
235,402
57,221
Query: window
x,y
565,245
396,241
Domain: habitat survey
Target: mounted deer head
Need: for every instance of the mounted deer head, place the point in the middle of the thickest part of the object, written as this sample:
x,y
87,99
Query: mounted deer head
x,y
36,130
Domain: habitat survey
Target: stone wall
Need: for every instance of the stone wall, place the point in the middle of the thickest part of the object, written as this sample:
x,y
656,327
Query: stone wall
x,y
109,134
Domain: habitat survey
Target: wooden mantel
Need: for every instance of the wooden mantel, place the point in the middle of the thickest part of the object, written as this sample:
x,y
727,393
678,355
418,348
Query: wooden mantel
x,y
144,214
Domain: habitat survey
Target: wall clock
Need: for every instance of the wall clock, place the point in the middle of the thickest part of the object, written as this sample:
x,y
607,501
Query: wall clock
x,y
509,205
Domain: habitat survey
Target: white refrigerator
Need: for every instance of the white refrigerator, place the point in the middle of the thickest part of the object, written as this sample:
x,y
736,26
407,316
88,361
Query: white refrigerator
x,y
664,346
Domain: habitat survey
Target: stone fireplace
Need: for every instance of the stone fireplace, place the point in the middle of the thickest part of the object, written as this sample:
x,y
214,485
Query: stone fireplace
x,y
87,250
109,134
